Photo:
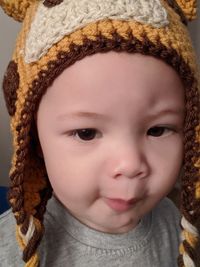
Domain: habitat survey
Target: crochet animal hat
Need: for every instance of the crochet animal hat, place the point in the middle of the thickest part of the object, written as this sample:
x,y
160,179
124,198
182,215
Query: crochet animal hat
x,y
54,35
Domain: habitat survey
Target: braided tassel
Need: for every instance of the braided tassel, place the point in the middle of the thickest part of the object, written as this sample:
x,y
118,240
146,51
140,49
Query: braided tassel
x,y
190,236
29,240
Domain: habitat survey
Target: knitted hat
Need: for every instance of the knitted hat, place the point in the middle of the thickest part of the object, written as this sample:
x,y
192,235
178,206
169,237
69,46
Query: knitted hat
x,y
54,35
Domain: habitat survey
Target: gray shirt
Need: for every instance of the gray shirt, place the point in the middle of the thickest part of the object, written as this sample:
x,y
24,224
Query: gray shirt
x,y
68,242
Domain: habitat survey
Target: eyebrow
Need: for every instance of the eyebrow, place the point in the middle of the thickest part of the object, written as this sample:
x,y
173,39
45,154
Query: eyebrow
x,y
93,115
85,114
177,112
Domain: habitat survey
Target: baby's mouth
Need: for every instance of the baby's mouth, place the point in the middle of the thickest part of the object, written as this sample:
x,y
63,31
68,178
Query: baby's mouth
x,y
121,205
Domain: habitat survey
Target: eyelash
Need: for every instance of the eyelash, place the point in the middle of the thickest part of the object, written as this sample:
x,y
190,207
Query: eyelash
x,y
78,131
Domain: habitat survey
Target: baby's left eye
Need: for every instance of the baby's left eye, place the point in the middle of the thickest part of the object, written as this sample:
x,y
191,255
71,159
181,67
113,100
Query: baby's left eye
x,y
158,131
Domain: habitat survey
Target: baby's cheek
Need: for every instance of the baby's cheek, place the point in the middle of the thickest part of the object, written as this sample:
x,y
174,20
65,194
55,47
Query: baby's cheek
x,y
76,188
167,164
159,185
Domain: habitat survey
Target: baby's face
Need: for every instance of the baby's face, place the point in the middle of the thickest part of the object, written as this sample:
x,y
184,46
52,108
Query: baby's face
x,y
111,127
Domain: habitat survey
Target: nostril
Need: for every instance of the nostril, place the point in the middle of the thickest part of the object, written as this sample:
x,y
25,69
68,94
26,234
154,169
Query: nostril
x,y
131,171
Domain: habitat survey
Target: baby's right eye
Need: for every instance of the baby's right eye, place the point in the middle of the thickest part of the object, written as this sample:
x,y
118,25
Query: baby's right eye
x,y
87,134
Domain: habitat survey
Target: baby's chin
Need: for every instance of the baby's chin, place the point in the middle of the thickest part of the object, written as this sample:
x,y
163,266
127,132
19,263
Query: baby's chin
x,y
110,222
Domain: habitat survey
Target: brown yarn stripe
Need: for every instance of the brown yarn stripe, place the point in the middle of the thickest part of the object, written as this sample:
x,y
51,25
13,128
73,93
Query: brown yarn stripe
x,y
119,44
10,86
178,10
180,261
52,3
45,196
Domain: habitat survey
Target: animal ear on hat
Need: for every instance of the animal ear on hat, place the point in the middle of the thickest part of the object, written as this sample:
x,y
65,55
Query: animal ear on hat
x,y
16,8
188,8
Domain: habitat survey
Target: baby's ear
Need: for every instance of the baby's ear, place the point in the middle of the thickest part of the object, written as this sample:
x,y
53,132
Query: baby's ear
x,y
187,7
16,8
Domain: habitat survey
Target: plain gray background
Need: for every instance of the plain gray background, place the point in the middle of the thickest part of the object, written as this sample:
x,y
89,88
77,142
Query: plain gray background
x,y
8,33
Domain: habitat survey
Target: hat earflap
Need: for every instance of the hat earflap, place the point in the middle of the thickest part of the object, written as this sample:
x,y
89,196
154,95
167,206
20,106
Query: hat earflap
x,y
16,8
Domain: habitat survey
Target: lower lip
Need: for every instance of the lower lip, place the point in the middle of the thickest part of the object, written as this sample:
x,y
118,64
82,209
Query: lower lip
x,y
119,205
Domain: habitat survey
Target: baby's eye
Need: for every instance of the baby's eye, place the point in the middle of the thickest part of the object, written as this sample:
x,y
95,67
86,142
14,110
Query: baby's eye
x,y
85,134
158,131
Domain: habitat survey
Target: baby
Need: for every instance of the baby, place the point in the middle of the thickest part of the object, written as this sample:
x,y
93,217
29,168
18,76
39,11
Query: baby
x,y
104,100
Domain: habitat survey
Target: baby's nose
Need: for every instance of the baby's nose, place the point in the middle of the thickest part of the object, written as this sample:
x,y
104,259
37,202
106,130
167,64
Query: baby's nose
x,y
130,161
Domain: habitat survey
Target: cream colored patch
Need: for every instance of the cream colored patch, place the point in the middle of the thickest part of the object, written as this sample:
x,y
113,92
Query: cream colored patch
x,y
50,25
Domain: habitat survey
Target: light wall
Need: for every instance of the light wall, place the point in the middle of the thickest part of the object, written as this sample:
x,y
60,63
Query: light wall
x,y
8,32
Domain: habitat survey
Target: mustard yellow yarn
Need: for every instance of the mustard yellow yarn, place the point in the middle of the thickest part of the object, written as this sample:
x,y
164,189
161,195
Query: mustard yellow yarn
x,y
16,8
189,8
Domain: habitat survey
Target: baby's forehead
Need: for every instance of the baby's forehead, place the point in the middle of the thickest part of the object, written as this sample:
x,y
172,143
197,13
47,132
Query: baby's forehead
x,y
114,84
106,66
102,71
